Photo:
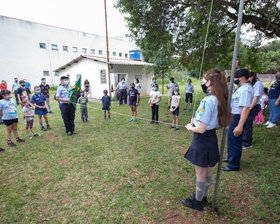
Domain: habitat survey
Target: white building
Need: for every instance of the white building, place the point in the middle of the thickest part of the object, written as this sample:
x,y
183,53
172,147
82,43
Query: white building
x,y
32,50
95,70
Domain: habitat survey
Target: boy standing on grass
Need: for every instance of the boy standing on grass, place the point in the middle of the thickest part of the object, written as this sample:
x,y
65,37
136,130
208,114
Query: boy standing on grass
x,y
22,92
38,100
9,114
45,89
133,99
106,103
28,117
83,100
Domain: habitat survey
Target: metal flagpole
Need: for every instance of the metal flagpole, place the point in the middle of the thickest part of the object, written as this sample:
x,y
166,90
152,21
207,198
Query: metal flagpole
x,y
233,68
107,47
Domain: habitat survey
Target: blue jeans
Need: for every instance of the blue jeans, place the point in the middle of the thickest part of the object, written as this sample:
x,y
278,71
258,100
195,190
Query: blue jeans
x,y
274,111
234,145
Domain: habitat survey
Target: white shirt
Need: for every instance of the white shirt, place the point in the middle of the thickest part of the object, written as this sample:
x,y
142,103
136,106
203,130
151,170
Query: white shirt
x,y
155,95
263,99
175,100
138,87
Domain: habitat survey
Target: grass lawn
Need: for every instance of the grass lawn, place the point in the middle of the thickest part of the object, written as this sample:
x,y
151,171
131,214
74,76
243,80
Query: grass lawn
x,y
121,172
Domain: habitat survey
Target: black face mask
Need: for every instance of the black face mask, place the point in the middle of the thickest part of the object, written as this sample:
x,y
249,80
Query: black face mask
x,y
132,87
204,88
236,82
22,86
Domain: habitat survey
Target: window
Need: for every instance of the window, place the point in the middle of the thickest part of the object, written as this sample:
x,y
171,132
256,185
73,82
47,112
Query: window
x,y
100,52
54,47
103,76
65,48
56,74
114,54
84,50
46,73
74,49
120,54
92,51
126,55
42,45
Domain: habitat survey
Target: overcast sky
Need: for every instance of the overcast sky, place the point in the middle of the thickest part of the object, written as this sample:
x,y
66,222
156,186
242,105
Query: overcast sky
x,y
82,15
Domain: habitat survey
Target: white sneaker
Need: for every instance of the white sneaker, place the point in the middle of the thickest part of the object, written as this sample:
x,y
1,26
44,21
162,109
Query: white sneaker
x,y
267,123
271,125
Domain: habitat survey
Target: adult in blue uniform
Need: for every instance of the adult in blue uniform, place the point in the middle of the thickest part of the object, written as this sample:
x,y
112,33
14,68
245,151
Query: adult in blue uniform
x,y
66,107
204,151
240,108
122,87
255,108
273,102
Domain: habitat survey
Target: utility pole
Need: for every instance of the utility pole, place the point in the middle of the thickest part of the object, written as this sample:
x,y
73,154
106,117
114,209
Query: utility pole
x,y
107,47
233,69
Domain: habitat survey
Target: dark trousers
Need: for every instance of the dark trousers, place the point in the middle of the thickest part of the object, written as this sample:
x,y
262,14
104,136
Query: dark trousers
x,y
15,93
68,115
84,113
247,138
155,112
123,96
234,145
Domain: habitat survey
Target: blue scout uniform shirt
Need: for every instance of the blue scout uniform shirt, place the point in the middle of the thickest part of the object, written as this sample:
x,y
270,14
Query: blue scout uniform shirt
x,y
132,94
63,93
207,112
38,99
16,86
106,101
258,90
9,109
242,97
189,88
122,85
274,91
27,85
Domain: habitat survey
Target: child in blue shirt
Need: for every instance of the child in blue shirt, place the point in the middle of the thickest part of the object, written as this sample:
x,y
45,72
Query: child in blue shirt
x,y
133,99
38,100
106,103
9,114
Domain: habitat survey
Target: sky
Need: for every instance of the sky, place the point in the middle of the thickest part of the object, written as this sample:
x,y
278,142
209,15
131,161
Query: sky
x,y
82,15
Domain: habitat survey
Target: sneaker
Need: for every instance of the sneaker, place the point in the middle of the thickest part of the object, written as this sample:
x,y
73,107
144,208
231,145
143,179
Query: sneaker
x,y
20,140
247,147
2,150
176,129
156,122
192,203
171,127
48,127
36,135
50,112
152,122
267,123
105,118
134,120
271,125
73,132
204,199
29,136
11,144
43,128
69,133
131,119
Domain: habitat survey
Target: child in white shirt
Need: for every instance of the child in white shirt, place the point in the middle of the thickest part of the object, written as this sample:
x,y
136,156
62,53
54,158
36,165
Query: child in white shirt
x,y
175,103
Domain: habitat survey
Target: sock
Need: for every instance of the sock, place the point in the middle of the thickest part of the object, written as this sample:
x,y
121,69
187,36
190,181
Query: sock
x,y
41,124
47,123
200,186
207,185
190,107
186,106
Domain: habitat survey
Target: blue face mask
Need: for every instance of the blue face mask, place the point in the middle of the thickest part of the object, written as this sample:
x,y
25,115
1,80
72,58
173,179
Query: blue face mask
x,y
44,82
83,95
155,89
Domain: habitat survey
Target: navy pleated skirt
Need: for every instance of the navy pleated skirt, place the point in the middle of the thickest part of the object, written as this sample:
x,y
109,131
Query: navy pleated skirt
x,y
204,150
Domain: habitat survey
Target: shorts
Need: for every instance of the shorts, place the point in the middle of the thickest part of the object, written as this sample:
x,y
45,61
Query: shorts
x,y
132,103
189,96
106,108
204,150
29,124
10,122
176,112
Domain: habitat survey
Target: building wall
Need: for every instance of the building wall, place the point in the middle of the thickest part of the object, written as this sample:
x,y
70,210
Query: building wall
x,y
21,56
90,70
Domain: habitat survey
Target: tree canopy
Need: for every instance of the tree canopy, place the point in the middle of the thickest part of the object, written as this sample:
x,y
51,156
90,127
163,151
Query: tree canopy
x,y
180,25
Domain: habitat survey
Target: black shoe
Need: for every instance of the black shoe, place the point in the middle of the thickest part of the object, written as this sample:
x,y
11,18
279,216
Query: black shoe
x,y
156,122
11,144
176,129
172,126
50,112
69,133
2,150
43,128
152,122
204,199
73,132
225,160
48,127
20,140
247,147
225,168
192,203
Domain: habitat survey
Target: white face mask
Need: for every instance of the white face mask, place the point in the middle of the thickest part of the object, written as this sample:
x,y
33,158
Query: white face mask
x,y
66,82
176,93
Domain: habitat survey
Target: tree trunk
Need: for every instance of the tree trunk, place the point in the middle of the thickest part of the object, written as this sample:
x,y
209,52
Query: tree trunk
x,y
162,76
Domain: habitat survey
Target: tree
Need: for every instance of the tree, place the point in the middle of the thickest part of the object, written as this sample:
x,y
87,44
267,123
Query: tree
x,y
184,22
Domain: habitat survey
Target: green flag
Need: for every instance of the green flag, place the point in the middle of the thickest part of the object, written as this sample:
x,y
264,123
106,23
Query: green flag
x,y
75,91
